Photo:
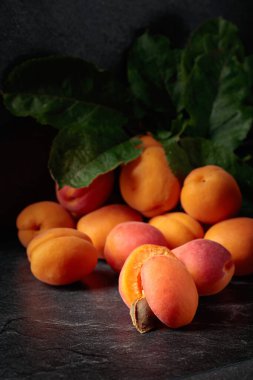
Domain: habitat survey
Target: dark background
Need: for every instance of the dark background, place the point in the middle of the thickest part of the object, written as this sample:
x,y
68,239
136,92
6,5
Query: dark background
x,y
98,31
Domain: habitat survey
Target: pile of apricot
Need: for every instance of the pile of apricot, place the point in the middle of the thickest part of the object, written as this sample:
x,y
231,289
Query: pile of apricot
x,y
170,241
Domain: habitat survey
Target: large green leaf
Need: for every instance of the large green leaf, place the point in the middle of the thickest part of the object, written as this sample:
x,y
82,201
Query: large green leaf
x,y
218,36
231,118
60,91
214,85
83,151
152,67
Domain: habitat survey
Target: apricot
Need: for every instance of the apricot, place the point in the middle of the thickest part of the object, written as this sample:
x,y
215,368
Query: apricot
x,y
127,236
148,140
209,263
169,290
53,233
61,256
86,199
130,286
41,216
210,194
178,228
100,222
148,184
236,234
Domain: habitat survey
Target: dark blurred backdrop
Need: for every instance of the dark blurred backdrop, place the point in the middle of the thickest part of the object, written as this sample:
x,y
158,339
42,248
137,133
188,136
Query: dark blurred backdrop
x,y
98,31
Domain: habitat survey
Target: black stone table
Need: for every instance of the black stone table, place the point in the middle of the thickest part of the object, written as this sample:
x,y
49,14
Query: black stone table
x,y
83,331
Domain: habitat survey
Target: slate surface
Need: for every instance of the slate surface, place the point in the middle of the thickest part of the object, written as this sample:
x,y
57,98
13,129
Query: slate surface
x,y
83,331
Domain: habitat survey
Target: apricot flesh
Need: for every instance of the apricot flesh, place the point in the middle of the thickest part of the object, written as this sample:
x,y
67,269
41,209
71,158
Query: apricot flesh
x,y
98,224
169,290
62,258
81,201
209,263
236,234
41,216
127,236
210,194
178,228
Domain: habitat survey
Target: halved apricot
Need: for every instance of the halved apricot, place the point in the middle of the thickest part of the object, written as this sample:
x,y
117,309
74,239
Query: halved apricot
x,y
130,287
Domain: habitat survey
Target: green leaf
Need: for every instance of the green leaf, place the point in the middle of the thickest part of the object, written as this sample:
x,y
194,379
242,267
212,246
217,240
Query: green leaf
x,y
202,152
215,85
152,66
60,91
231,119
177,157
80,153
218,36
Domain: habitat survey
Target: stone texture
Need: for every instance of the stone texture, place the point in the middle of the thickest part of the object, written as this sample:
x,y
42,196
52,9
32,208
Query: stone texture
x,y
84,331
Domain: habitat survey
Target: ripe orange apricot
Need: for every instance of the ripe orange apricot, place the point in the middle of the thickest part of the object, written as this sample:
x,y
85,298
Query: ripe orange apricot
x,y
210,194
178,228
41,216
53,233
148,184
169,290
130,286
235,234
100,222
61,256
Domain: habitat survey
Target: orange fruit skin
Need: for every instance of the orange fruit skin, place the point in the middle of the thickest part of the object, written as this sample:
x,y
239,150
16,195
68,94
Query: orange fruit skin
x,y
53,233
235,234
169,290
178,228
148,184
41,216
210,194
61,256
